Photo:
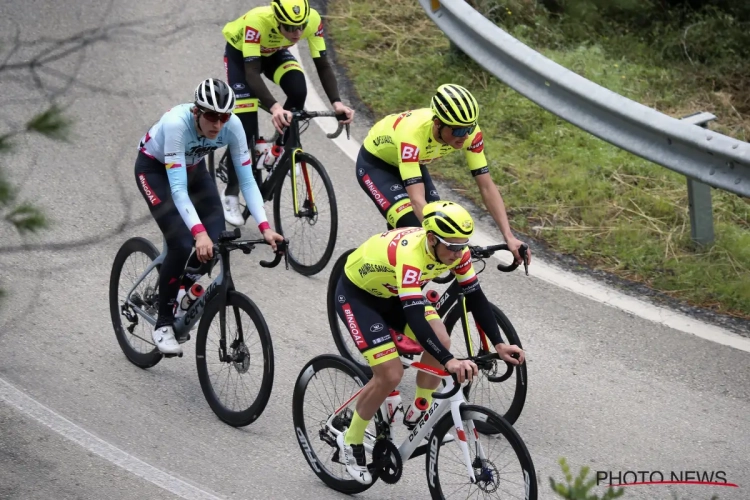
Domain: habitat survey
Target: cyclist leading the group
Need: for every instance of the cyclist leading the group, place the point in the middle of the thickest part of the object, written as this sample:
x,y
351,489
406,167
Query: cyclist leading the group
x,y
380,289
392,162
258,44
171,174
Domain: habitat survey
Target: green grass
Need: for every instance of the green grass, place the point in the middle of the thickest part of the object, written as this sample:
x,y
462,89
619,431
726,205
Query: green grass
x,y
581,195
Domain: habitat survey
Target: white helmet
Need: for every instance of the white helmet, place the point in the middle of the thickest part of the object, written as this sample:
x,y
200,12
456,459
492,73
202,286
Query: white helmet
x,y
215,95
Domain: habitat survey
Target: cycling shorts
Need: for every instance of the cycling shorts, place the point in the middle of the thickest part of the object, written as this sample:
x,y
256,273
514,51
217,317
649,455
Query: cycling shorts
x,y
371,320
385,187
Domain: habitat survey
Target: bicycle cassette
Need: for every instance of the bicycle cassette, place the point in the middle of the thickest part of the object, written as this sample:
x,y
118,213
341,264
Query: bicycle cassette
x,y
387,461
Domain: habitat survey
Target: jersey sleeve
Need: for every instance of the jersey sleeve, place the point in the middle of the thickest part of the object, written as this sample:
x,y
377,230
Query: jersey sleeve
x,y
244,168
408,279
315,35
474,153
174,161
252,39
408,146
476,301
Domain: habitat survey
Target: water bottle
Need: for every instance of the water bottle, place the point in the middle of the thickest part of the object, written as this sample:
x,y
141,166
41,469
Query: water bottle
x,y
261,147
195,292
272,156
393,403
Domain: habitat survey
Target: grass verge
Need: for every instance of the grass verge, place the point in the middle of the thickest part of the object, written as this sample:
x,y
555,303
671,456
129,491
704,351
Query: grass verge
x,y
578,194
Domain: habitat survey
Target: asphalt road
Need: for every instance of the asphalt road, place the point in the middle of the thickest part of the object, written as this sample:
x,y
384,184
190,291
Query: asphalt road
x,y
608,389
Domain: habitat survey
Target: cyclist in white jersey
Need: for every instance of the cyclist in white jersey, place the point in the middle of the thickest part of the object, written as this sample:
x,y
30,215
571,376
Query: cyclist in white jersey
x,y
171,174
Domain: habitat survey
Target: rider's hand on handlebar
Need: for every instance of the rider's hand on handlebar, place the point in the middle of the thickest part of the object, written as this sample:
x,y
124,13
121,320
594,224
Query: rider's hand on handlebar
x,y
506,351
280,117
513,245
272,237
204,247
340,108
463,368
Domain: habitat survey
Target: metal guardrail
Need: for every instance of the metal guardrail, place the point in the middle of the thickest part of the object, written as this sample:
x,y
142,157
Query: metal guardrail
x,y
694,151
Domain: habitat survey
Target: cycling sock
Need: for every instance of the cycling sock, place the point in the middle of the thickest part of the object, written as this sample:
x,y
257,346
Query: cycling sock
x,y
356,432
423,398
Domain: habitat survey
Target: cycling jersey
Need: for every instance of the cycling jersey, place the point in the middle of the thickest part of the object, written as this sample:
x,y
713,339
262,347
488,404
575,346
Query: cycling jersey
x,y
398,263
405,140
174,141
256,34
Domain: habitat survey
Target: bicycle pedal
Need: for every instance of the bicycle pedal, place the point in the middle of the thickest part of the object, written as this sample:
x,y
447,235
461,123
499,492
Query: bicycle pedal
x,y
173,355
182,340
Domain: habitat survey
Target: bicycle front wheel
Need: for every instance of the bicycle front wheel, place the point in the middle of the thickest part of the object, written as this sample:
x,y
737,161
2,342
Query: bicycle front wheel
x,y
134,336
235,372
503,387
502,464
311,224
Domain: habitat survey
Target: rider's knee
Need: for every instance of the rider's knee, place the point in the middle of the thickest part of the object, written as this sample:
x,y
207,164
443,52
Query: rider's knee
x,y
390,374
295,88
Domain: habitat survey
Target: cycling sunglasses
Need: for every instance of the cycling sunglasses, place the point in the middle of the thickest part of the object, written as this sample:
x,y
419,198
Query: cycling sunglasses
x,y
463,131
293,27
453,247
214,117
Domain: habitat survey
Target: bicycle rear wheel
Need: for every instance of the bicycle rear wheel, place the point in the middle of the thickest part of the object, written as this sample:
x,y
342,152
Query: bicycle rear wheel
x,y
502,388
312,230
229,384
505,470
326,383
131,261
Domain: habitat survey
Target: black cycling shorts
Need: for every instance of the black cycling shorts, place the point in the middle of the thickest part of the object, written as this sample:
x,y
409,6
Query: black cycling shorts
x,y
385,187
371,320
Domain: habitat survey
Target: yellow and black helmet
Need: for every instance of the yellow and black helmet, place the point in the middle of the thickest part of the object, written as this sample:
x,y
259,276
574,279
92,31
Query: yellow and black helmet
x,y
455,106
291,12
447,220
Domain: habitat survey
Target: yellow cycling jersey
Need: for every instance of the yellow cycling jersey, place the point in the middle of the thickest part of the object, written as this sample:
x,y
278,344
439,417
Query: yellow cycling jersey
x,y
257,33
405,140
399,262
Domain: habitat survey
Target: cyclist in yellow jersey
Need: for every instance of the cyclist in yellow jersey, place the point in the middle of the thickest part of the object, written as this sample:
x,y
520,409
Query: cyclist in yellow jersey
x,y
393,159
258,44
380,294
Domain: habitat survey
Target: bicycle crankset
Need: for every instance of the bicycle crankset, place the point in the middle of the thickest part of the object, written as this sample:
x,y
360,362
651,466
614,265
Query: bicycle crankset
x,y
387,461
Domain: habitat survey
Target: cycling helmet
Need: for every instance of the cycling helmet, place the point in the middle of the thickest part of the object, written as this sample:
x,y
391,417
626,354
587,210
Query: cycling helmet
x,y
214,95
291,12
455,106
447,220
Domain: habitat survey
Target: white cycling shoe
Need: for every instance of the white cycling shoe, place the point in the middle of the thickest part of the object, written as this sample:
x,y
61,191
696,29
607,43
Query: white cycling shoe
x,y
232,213
353,456
165,341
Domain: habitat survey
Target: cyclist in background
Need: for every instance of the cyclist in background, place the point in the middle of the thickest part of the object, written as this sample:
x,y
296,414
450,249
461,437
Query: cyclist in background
x,y
258,44
171,174
380,291
392,162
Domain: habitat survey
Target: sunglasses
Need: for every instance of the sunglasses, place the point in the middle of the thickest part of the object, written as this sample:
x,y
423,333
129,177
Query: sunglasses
x,y
463,131
214,117
453,247
292,28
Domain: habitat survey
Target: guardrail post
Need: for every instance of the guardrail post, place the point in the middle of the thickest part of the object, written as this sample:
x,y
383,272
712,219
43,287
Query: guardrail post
x,y
699,195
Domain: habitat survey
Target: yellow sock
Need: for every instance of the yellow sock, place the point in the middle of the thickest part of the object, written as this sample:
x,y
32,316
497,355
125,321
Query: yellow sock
x,y
356,432
423,398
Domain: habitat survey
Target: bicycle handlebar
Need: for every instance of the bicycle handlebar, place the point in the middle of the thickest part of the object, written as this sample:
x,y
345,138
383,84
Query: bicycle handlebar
x,y
486,252
228,239
480,361
305,115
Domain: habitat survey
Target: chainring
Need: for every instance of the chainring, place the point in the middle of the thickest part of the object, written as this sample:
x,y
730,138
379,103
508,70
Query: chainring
x,y
387,461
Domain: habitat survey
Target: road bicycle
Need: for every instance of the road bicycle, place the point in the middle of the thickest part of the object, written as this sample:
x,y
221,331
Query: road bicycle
x,y
495,380
311,215
470,458
134,303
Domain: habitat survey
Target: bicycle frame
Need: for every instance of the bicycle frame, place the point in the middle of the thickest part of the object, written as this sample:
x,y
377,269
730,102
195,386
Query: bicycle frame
x,y
452,296
410,447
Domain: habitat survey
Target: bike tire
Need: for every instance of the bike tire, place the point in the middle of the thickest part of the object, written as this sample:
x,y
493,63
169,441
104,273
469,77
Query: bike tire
x,y
244,417
509,335
130,247
314,268
340,336
313,366
500,426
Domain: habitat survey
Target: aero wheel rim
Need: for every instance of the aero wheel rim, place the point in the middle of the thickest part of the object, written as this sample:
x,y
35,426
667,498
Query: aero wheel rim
x,y
145,295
